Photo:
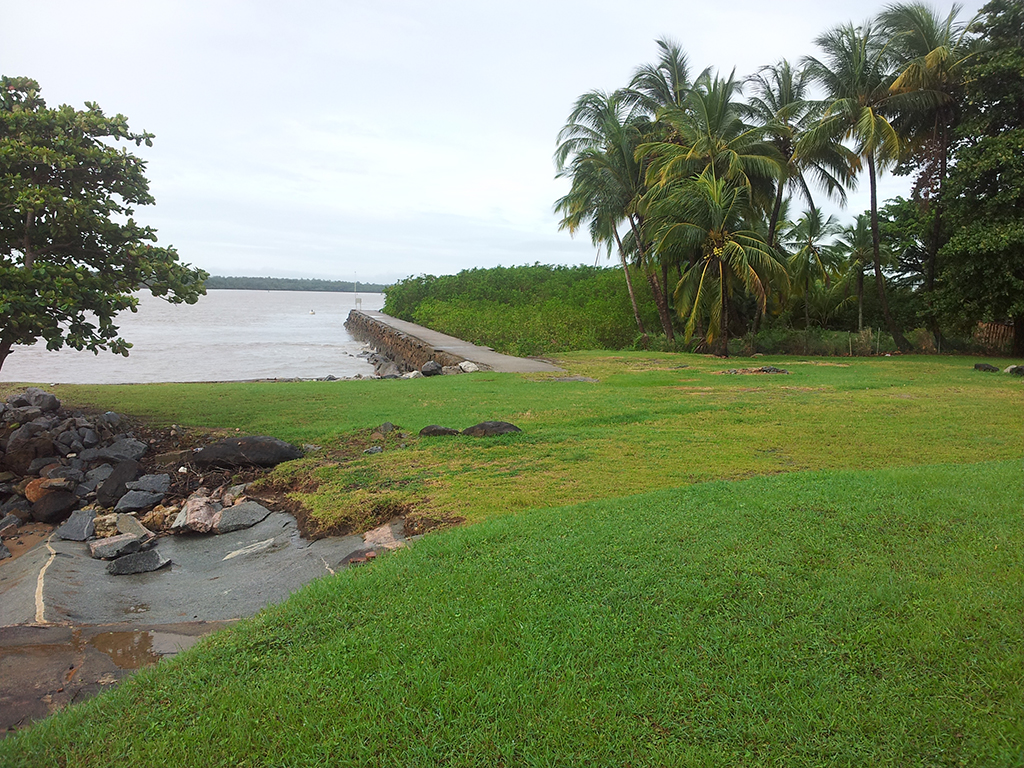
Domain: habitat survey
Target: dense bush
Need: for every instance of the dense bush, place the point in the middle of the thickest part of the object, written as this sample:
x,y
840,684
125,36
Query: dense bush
x,y
531,310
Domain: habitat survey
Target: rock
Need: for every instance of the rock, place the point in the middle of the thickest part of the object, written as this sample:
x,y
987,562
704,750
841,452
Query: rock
x,y
44,485
4,551
128,524
374,450
151,483
490,428
115,486
412,375
257,450
75,475
451,370
99,474
386,428
433,430
44,401
22,414
244,515
468,366
198,514
133,501
125,449
106,526
1016,370
20,456
139,562
79,527
160,517
986,368
54,507
34,490
90,438
233,495
389,370
9,524
115,546
18,506
431,368
43,465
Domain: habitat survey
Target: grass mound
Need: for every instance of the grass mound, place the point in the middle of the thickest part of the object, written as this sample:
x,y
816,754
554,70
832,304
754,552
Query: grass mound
x,y
815,618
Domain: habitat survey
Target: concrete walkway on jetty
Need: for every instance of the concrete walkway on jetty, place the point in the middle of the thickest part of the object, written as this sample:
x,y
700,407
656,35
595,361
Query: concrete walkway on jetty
x,y
483,356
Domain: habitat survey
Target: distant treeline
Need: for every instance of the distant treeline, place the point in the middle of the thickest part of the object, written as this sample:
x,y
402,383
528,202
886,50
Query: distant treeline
x,y
217,282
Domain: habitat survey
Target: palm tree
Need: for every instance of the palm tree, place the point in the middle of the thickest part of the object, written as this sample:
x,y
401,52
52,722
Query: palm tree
x,y
932,56
854,242
811,259
709,130
781,105
856,75
702,218
597,151
656,86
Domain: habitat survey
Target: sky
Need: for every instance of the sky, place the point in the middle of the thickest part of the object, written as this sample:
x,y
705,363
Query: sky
x,y
377,140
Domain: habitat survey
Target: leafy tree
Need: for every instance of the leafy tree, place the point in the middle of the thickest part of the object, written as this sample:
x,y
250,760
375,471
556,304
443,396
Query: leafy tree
x,y
70,252
983,276
703,218
811,259
781,104
856,73
596,149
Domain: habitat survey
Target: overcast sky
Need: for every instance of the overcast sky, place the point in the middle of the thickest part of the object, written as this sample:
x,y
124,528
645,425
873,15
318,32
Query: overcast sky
x,y
375,140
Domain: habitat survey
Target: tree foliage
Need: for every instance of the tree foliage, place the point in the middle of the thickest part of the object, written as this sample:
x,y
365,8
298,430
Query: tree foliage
x,y
71,252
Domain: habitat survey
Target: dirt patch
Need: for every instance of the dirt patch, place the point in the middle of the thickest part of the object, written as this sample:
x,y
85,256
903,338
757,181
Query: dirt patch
x,y
24,539
417,524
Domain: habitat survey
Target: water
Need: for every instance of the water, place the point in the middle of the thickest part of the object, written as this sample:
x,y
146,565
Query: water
x,y
226,336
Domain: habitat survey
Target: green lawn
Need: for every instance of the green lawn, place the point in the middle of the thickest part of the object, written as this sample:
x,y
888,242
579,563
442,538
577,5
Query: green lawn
x,y
857,599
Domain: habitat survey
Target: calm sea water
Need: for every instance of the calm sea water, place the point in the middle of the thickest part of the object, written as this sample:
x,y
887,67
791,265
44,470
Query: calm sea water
x,y
226,336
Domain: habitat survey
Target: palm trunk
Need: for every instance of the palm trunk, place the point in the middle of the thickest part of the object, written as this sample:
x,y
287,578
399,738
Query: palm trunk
x,y
775,214
935,241
629,287
722,346
901,343
660,301
860,298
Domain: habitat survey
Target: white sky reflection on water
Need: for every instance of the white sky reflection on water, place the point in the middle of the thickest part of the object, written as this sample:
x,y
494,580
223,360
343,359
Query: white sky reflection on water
x,y
226,336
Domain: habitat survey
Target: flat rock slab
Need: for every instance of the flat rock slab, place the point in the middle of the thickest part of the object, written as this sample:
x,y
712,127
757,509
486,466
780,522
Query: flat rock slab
x,y
152,483
79,527
200,584
240,516
491,428
138,562
120,450
115,546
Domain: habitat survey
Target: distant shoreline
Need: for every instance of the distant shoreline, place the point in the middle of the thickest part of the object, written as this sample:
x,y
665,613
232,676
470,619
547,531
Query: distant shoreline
x,y
220,283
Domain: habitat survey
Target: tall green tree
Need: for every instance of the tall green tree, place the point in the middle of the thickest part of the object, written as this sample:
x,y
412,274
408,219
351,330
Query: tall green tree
x,y
983,273
71,252
703,218
933,53
811,257
597,152
781,104
853,243
856,71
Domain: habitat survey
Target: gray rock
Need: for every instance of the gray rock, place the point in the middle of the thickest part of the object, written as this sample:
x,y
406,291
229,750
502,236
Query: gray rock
x,y
115,546
433,430
386,428
44,401
70,473
79,527
133,501
139,562
197,514
131,526
98,475
19,506
986,368
244,515
468,366
19,457
431,368
253,450
9,524
490,428
90,438
374,450
116,484
4,551
412,375
38,464
54,506
124,449
22,414
151,483
25,432
451,370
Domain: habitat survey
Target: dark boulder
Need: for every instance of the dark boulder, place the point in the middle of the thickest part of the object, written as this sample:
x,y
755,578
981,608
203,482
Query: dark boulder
x,y
19,456
40,399
133,501
986,368
433,430
79,527
54,507
139,562
250,451
244,515
431,368
120,450
114,487
490,428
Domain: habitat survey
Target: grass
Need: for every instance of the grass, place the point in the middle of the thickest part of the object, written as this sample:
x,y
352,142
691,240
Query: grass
x,y
820,618
823,568
653,421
